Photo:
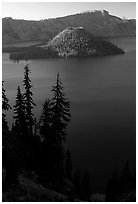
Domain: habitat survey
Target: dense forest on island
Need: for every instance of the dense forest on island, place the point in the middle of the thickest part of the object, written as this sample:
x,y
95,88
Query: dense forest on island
x,y
36,166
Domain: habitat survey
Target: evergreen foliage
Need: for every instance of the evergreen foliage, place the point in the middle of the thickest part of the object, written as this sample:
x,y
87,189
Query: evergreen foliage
x,y
29,104
32,52
36,126
46,158
19,111
119,185
60,108
5,101
53,123
45,119
5,107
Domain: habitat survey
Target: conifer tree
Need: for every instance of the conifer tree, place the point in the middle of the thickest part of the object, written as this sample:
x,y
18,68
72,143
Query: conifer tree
x,y
68,165
45,119
5,106
60,107
19,111
36,126
29,104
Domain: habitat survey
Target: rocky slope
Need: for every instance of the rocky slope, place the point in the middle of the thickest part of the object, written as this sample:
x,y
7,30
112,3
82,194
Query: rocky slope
x,y
71,42
99,23
79,42
28,190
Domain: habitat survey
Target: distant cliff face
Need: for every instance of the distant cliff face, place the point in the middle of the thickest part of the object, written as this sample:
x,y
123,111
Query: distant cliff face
x,y
99,23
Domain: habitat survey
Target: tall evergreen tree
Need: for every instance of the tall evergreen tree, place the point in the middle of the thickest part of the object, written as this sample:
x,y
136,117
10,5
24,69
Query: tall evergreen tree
x,y
45,119
53,150
29,104
19,111
61,110
68,165
5,106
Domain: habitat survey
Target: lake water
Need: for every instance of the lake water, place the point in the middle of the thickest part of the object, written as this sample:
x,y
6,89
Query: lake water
x,y
102,90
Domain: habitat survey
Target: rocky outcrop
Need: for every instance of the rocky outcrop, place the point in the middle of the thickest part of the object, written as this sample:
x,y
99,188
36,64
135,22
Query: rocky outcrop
x,y
29,191
78,42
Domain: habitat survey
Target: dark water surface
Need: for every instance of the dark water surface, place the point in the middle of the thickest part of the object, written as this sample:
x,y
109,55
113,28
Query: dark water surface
x,y
101,133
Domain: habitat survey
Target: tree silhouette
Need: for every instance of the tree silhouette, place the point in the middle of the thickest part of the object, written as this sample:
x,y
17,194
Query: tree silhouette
x,y
45,119
36,126
5,107
29,104
68,165
60,107
120,186
19,113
